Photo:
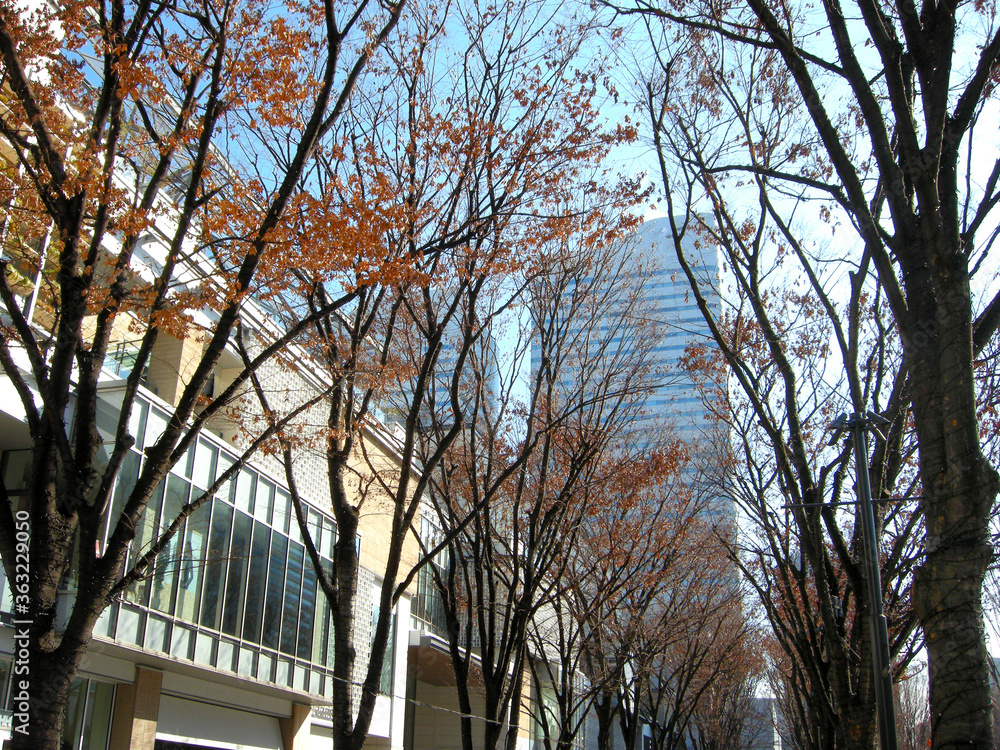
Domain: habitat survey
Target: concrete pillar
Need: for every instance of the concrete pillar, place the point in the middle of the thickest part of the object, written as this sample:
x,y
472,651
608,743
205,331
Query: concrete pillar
x,y
137,707
295,728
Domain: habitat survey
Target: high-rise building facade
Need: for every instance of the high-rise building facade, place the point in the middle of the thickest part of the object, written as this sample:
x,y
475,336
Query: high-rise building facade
x,y
678,400
665,330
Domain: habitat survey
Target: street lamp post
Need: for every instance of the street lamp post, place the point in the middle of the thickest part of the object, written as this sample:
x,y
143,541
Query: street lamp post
x,y
858,424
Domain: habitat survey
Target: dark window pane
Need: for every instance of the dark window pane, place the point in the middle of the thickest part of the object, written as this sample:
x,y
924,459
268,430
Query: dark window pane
x,y
4,683
232,613
191,571
290,612
275,591
308,612
256,583
145,533
215,565
167,562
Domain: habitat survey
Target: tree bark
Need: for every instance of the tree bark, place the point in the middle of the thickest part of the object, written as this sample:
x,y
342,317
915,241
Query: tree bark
x,y
959,489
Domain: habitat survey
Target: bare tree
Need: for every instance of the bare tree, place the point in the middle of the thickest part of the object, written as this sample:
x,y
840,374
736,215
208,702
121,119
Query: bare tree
x,y
769,103
801,549
630,547
471,172
128,216
695,653
521,485
912,715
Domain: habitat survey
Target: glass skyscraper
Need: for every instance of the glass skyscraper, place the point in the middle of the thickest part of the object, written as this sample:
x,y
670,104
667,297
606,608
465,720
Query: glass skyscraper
x,y
682,400
679,401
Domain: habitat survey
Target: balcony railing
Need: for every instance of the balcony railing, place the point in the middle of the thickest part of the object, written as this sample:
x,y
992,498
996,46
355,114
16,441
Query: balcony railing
x,y
121,359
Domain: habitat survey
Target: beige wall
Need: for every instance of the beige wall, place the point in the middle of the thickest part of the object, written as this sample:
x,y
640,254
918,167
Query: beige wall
x,y
137,707
375,522
171,365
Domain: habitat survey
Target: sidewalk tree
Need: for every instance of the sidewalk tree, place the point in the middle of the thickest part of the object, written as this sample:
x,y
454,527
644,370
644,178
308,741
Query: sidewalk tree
x,y
729,714
521,484
476,135
140,197
630,546
803,561
912,715
867,117
698,676
801,551
675,635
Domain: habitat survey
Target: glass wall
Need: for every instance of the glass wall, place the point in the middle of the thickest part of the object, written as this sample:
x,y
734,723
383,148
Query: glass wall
x,y
427,606
88,715
234,588
121,359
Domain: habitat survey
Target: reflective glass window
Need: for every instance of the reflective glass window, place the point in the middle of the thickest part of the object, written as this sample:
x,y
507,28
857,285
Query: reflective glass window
x,y
275,591
204,464
106,418
156,423
263,508
282,510
137,422
290,611
216,560
246,486
236,582
224,463
168,561
73,721
329,537
315,526
127,476
256,582
185,463
308,613
4,683
388,664
191,569
321,627
293,522
145,533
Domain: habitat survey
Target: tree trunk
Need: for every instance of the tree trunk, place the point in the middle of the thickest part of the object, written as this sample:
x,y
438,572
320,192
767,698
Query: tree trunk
x,y
48,684
603,708
345,654
959,488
